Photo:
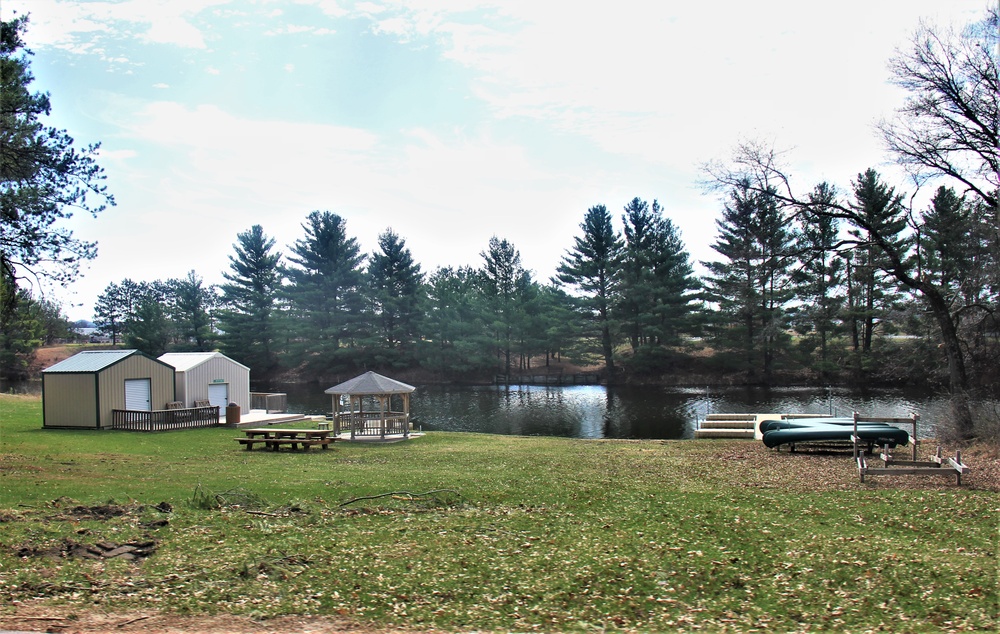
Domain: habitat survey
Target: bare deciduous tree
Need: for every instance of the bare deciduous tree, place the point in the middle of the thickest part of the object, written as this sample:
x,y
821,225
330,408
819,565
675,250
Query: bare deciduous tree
x,y
948,125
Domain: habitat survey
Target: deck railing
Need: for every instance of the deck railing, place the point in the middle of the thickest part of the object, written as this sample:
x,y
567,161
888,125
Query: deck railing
x,y
370,423
271,402
164,419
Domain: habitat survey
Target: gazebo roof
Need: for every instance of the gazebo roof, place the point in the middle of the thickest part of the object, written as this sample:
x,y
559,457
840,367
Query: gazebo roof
x,y
370,383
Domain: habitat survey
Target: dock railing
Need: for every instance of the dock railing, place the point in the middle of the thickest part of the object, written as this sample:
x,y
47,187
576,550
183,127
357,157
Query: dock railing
x,y
270,402
578,378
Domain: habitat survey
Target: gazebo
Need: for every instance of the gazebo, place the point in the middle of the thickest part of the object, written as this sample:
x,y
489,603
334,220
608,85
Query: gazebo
x,y
378,420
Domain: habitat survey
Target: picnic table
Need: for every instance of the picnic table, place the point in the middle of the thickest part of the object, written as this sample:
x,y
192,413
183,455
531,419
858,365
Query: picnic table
x,y
274,438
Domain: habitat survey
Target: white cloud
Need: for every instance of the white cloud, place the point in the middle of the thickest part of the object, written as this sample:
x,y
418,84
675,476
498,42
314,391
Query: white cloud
x,y
272,162
161,85
116,155
290,29
71,26
330,8
174,30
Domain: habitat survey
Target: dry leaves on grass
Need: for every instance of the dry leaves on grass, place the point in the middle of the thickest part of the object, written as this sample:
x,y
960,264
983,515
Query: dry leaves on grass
x,y
825,470
41,618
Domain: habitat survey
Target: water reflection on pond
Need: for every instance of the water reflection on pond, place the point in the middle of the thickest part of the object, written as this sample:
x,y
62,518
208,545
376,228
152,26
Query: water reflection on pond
x,y
595,411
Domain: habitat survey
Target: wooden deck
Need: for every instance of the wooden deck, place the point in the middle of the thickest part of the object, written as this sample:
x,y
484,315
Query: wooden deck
x,y
256,417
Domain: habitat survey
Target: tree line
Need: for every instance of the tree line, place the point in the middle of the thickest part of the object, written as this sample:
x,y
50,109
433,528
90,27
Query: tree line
x,y
808,298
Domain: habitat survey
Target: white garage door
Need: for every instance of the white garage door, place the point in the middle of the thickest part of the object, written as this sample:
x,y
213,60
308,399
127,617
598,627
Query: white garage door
x,y
218,394
137,394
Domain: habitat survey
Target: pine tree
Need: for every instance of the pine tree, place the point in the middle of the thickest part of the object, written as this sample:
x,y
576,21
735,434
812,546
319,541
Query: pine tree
x,y
43,180
958,253
752,285
117,307
20,337
504,282
396,285
871,288
592,268
819,277
455,323
148,328
325,296
191,309
948,242
250,299
109,313
637,287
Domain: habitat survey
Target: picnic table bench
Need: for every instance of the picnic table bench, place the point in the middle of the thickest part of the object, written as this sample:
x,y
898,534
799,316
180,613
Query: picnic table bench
x,y
274,438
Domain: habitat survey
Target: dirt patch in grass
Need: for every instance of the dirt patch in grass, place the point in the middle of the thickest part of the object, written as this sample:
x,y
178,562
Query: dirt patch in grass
x,y
40,618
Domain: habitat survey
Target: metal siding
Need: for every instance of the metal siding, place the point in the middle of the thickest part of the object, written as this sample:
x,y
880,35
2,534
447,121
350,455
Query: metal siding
x,y
69,400
180,388
111,386
198,379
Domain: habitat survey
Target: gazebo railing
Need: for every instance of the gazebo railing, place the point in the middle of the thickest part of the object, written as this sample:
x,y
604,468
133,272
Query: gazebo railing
x,y
370,423
164,419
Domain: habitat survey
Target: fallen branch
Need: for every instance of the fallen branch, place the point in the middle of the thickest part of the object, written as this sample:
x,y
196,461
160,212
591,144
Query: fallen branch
x,y
39,618
131,621
261,513
409,495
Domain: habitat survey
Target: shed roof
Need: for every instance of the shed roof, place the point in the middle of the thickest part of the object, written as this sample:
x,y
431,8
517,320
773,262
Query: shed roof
x,y
370,383
184,361
92,360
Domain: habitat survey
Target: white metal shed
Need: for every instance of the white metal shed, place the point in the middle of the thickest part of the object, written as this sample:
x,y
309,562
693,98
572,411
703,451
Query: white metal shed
x,y
210,376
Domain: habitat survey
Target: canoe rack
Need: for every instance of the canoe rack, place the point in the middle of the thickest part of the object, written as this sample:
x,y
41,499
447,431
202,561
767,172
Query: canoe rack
x,y
937,465
912,420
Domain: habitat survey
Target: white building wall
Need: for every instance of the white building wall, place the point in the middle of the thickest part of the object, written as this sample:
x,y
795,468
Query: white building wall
x,y
192,384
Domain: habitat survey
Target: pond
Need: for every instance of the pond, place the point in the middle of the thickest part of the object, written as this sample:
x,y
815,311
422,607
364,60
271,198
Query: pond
x,y
596,411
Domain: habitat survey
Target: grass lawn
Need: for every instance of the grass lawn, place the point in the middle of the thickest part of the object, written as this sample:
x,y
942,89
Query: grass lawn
x,y
521,533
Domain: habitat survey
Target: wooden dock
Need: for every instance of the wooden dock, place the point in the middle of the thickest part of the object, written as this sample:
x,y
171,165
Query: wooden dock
x,y
746,426
579,378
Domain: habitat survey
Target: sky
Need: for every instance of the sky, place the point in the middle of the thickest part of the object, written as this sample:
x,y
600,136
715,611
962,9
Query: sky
x,y
448,121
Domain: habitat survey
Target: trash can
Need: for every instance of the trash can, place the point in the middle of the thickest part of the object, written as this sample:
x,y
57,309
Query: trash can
x,y
232,414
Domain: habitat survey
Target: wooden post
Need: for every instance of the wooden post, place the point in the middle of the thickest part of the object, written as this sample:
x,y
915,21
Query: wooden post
x,y
854,437
381,411
360,413
406,415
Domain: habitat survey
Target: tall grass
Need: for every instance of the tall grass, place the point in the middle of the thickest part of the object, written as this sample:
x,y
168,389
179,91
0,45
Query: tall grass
x,y
522,534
